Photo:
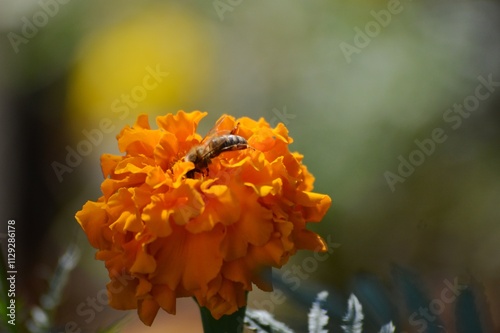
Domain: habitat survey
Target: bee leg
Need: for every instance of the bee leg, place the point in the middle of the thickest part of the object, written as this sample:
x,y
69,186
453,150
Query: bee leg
x,y
191,173
235,128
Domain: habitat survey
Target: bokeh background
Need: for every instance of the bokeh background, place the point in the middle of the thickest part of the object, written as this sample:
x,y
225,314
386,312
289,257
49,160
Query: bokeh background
x,y
354,104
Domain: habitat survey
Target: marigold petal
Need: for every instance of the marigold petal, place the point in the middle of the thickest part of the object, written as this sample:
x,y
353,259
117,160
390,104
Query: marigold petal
x,y
144,263
147,310
182,124
109,163
110,186
156,177
256,224
122,210
307,183
143,288
283,231
94,222
134,164
227,299
180,169
292,165
141,196
315,205
142,121
105,255
165,297
248,270
122,295
167,150
186,259
263,279
254,227
157,218
225,124
250,124
188,204
263,140
221,206
127,222
264,190
201,268
271,254
238,271
281,133
138,141
308,240
213,288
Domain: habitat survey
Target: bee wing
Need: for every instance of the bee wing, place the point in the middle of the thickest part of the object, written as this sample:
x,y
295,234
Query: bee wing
x,y
218,129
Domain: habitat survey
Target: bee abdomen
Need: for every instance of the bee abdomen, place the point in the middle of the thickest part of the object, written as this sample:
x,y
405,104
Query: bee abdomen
x,y
227,143
234,142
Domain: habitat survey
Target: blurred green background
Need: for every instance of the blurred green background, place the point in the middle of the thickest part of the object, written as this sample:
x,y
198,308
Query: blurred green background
x,y
361,87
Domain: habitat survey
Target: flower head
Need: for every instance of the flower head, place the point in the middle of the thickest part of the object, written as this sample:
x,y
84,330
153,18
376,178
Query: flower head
x,y
164,234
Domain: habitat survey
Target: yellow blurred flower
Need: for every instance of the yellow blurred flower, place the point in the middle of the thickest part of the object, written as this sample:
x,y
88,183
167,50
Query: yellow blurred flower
x,y
210,236
142,62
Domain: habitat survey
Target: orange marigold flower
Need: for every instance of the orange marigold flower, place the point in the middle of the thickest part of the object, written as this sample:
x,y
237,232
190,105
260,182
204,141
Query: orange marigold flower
x,y
164,234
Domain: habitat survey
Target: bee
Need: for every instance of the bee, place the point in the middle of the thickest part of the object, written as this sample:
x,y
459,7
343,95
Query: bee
x,y
215,143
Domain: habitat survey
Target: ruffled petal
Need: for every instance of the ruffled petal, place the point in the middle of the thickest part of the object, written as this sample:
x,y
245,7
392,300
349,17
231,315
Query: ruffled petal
x,y
187,260
182,124
314,205
147,310
138,139
95,223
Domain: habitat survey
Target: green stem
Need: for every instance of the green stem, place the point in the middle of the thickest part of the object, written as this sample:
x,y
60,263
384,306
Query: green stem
x,y
232,323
